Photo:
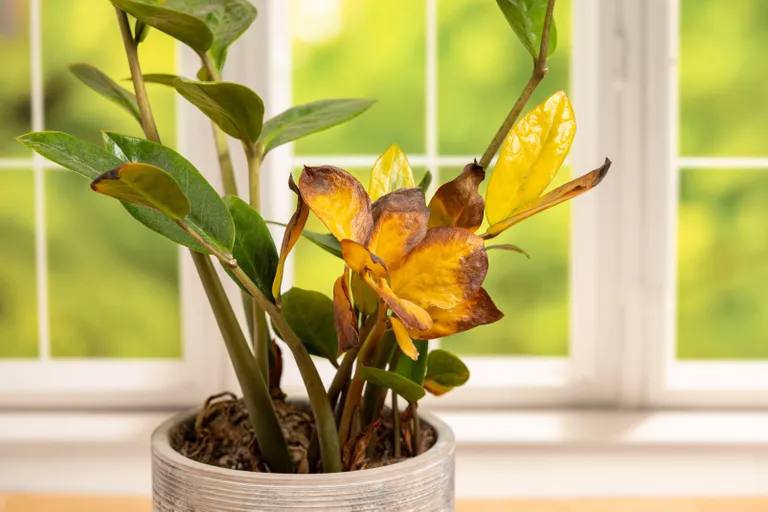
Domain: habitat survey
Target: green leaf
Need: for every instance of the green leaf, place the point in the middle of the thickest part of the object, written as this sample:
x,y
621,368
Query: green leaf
x,y
159,78
145,185
425,182
106,87
140,32
414,370
310,315
325,241
366,300
235,108
445,371
254,248
391,380
90,161
178,24
526,17
208,216
508,247
303,120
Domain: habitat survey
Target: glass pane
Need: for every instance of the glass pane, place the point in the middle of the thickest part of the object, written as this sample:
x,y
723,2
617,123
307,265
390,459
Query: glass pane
x,y
533,294
366,49
482,67
86,31
113,284
723,98
18,283
15,78
722,265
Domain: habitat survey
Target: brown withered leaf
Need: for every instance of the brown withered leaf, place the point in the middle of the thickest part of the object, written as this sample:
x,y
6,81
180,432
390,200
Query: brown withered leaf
x,y
458,202
447,267
559,195
339,201
292,233
360,259
399,223
477,310
344,318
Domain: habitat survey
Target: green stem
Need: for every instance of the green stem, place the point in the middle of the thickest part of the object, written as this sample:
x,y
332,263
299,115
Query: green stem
x,y
261,409
538,74
342,375
396,422
416,429
375,395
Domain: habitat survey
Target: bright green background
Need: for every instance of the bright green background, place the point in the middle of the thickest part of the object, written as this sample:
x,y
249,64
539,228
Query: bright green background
x,y
113,285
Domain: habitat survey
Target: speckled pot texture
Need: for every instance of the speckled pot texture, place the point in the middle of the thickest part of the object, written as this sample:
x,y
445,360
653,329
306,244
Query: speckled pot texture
x,y
424,483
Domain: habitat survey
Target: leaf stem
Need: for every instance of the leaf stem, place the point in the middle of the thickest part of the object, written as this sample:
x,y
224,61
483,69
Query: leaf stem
x,y
396,422
538,74
416,429
342,375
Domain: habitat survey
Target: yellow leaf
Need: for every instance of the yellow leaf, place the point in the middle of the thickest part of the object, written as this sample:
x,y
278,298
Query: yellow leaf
x,y
532,153
477,310
557,196
447,267
390,172
339,200
344,319
361,260
458,203
399,223
403,340
413,316
291,235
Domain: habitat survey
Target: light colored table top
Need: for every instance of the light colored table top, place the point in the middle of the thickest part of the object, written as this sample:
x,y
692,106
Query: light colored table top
x,y
29,503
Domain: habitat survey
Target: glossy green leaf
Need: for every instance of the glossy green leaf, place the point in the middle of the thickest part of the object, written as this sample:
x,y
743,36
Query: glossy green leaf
x,y
390,172
414,370
508,247
175,22
303,120
235,108
145,185
90,161
325,241
140,31
425,182
526,17
106,87
254,247
403,386
445,371
208,216
310,315
159,78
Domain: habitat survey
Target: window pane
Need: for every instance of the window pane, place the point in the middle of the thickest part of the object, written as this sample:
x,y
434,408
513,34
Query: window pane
x,y
86,31
15,78
113,284
533,294
722,265
366,49
18,283
723,97
482,67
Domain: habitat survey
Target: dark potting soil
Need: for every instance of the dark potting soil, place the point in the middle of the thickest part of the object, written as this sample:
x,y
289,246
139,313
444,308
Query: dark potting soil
x,y
221,435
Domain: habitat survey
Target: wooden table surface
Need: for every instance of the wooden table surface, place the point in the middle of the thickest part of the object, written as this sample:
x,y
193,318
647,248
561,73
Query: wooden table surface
x,y
28,503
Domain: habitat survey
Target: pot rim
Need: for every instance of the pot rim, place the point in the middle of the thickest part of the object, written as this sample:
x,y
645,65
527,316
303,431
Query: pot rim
x,y
443,447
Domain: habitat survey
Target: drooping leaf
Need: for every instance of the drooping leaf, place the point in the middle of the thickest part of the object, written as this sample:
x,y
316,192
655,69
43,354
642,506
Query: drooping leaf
x,y
235,108
208,215
254,248
344,317
559,195
403,386
390,172
145,185
508,247
526,17
412,315
106,87
445,371
291,235
458,202
404,341
414,370
445,268
477,310
303,120
399,222
425,182
530,157
310,315
339,201
360,259
177,23
325,241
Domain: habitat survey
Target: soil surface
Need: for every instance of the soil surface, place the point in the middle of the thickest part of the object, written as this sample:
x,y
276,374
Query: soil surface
x,y
221,435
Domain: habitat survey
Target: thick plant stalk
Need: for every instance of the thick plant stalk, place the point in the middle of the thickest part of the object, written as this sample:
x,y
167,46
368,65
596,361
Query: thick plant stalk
x,y
538,74
259,403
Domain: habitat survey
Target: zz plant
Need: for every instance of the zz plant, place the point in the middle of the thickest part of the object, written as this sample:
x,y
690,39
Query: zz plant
x,y
412,271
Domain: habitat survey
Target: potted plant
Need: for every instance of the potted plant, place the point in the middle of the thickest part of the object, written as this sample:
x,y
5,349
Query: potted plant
x,y
412,271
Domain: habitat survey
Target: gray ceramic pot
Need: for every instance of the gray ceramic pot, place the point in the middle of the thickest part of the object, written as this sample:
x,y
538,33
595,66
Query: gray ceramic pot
x,y
424,483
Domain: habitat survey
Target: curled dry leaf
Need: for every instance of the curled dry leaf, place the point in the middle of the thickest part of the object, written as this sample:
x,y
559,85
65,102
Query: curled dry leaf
x,y
477,310
413,316
290,237
458,202
399,223
344,318
339,201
